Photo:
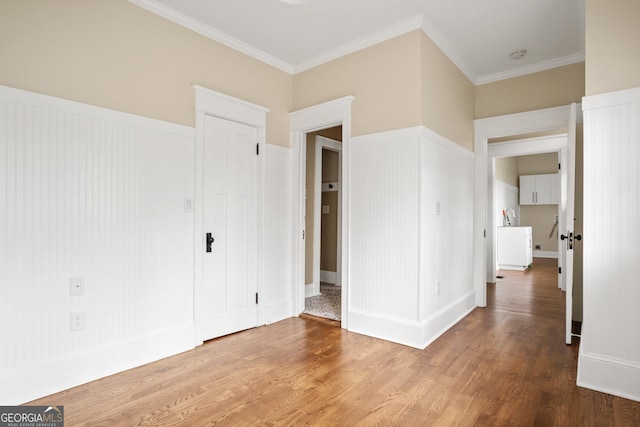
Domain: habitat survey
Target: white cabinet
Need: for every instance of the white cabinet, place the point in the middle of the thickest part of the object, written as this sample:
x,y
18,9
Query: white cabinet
x,y
515,250
539,189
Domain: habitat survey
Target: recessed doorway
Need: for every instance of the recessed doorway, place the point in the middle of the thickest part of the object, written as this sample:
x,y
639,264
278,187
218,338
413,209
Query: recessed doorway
x,y
308,120
323,220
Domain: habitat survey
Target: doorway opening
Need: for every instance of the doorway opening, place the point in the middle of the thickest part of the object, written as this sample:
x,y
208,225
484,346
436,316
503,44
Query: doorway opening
x,y
526,212
533,122
323,220
331,114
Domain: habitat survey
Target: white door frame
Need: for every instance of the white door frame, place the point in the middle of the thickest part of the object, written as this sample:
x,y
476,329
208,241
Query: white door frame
x,y
331,145
321,116
209,102
494,127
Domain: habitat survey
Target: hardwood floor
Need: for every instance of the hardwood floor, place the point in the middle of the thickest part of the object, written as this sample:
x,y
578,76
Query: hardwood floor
x,y
504,365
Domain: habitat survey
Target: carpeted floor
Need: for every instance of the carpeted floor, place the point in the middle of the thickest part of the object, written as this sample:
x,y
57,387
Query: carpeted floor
x,y
327,304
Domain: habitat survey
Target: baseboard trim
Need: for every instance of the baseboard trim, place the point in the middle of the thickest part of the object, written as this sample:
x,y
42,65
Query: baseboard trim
x,y
276,311
37,380
608,375
311,290
443,320
406,332
328,277
545,254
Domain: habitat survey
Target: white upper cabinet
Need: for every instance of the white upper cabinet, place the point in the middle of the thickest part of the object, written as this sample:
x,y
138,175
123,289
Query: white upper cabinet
x,y
539,189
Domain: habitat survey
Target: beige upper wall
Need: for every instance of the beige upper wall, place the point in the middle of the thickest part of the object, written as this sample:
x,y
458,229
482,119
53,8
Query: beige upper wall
x,y
612,36
117,55
384,79
535,164
447,95
403,82
545,89
507,170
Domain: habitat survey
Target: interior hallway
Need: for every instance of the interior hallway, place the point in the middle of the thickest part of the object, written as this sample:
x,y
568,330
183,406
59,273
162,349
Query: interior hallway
x,y
506,364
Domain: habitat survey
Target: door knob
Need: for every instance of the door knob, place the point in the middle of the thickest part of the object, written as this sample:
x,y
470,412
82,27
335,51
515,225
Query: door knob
x,y
578,237
569,238
210,240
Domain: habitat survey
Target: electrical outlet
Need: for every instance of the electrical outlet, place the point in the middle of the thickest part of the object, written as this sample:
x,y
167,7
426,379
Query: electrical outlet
x,y
76,285
77,321
437,287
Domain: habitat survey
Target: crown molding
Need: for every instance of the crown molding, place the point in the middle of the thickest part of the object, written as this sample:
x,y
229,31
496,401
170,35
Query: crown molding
x,y
530,69
385,34
436,36
403,27
212,33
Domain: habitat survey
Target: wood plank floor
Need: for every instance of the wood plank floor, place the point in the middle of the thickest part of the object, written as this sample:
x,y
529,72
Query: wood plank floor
x,y
504,365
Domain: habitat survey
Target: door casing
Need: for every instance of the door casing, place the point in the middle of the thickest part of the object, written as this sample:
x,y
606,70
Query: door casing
x,y
209,102
548,119
503,126
321,116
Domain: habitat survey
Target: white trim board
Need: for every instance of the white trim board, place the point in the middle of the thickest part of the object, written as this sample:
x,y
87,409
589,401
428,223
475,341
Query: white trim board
x,y
329,277
545,254
214,34
310,290
412,334
53,376
385,34
608,375
38,100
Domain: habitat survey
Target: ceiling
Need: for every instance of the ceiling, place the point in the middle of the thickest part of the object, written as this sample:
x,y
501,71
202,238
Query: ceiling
x,y
477,36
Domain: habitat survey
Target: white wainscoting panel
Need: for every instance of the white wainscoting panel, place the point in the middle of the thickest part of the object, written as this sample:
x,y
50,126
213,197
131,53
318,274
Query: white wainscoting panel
x,y
446,288
384,226
411,235
277,302
609,358
98,194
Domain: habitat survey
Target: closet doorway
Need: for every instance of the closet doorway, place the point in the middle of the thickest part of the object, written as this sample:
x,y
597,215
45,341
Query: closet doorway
x,y
330,114
323,221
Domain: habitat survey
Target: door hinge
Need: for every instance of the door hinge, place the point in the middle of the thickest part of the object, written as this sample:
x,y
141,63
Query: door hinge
x,y
559,166
302,234
256,298
559,270
484,233
257,149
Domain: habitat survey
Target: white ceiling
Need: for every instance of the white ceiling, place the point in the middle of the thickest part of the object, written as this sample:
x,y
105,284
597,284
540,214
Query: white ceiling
x,y
477,35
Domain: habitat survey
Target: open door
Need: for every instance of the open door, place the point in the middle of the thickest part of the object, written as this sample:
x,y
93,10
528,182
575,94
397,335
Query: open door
x,y
567,177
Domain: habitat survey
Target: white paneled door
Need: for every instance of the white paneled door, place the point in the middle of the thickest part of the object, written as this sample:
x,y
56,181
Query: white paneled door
x,y
230,227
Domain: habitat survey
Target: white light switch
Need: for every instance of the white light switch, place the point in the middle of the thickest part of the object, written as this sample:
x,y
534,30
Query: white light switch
x,y
188,204
325,209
